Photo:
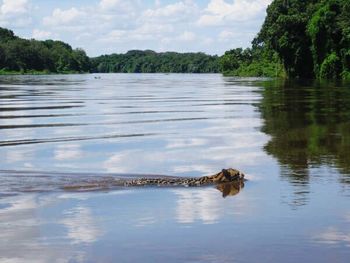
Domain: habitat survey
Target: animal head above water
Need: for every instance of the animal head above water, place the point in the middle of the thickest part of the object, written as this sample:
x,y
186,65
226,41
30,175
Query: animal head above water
x,y
227,175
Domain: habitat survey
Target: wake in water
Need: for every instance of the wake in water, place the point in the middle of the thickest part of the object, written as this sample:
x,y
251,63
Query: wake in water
x,y
13,181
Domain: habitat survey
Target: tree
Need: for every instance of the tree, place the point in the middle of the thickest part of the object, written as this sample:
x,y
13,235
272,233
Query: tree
x,y
82,60
311,37
6,35
329,30
17,54
284,31
2,57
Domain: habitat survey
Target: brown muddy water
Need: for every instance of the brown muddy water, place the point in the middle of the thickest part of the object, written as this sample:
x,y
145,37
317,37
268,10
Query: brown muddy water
x,y
292,140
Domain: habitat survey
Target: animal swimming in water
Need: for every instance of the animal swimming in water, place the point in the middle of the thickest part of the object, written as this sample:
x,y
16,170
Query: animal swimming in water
x,y
229,182
225,176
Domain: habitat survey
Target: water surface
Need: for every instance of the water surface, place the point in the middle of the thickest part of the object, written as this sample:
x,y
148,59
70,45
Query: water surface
x,y
292,140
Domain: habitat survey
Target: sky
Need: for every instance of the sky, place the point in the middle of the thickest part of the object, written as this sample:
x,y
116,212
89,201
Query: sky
x,y
116,26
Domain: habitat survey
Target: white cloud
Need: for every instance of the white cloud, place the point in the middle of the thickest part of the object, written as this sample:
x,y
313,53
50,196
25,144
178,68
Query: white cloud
x,y
230,36
114,36
142,33
14,13
226,34
10,7
152,29
209,20
63,17
169,10
116,4
107,4
187,36
152,25
92,24
41,34
178,12
157,3
220,12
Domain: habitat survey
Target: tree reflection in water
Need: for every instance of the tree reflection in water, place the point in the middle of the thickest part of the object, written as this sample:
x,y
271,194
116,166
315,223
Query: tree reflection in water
x,y
309,125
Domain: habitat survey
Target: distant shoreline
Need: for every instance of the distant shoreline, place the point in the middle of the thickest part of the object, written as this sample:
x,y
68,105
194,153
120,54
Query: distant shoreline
x,y
43,73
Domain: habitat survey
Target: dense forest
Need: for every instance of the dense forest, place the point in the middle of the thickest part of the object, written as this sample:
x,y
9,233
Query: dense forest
x,y
256,62
32,56
311,39
148,61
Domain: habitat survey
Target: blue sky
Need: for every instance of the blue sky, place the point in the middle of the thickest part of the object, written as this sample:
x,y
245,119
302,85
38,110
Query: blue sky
x,y
115,26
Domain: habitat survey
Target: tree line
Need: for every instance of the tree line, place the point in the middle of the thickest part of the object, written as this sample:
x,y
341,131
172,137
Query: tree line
x,y
148,61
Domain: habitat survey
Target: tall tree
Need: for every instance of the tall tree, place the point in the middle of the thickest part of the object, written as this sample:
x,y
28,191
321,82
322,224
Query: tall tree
x,y
311,37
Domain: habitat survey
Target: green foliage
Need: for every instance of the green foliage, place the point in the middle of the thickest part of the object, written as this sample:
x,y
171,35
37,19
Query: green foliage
x,y
257,62
148,61
330,67
6,35
312,38
234,58
32,56
284,31
328,30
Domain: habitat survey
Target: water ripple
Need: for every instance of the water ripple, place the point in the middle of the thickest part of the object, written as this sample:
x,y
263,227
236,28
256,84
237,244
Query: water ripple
x,y
71,139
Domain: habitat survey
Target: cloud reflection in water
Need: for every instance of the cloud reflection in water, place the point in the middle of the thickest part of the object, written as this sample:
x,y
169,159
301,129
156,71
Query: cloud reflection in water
x,y
334,236
80,225
28,233
197,205
206,205
67,152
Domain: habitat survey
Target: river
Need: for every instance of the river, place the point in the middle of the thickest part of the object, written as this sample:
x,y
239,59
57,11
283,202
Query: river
x,y
291,139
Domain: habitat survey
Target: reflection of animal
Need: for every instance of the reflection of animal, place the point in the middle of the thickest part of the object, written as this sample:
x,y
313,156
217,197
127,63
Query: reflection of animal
x,y
230,188
225,176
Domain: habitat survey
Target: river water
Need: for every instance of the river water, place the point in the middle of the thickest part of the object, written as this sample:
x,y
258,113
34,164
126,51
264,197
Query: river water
x,y
292,140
